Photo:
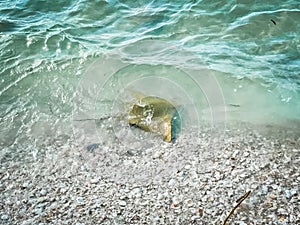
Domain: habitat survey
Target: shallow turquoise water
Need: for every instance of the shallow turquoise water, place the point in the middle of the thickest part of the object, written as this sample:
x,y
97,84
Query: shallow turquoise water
x,y
47,49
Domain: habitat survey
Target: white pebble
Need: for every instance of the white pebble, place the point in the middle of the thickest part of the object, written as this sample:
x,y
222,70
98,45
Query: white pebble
x,y
4,217
294,191
193,218
160,196
242,223
171,182
156,155
264,189
94,181
25,185
63,190
246,154
282,211
122,203
43,192
187,167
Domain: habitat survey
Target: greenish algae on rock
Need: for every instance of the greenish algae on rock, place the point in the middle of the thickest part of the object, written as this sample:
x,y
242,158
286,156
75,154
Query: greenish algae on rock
x,y
156,115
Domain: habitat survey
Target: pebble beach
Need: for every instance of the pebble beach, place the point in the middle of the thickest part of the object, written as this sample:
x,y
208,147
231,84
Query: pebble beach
x,y
71,71
186,182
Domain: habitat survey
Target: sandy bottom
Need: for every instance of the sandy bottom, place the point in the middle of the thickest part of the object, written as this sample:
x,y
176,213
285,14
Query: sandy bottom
x,y
196,180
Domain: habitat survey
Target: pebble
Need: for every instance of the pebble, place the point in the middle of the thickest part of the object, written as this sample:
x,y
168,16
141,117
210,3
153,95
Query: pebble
x,y
171,182
211,198
28,221
246,154
217,175
241,223
38,211
136,192
273,196
194,218
43,192
264,189
80,201
187,167
8,202
205,194
25,185
94,180
63,190
156,155
122,203
282,211
92,147
4,217
288,194
189,202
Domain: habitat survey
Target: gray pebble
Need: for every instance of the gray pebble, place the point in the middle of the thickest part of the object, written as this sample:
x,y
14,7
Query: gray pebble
x,y
92,147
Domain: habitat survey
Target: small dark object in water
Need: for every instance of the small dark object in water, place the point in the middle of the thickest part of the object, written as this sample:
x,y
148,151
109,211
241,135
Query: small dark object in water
x,y
92,147
235,105
273,21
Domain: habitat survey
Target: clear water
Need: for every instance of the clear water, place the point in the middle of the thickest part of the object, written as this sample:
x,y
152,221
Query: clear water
x,y
50,49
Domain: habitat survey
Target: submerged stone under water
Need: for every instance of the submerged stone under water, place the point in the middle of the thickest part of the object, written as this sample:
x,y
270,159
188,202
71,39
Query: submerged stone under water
x,y
157,115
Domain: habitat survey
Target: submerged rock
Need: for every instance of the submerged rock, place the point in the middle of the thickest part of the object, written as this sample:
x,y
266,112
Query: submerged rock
x,y
157,115
92,147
